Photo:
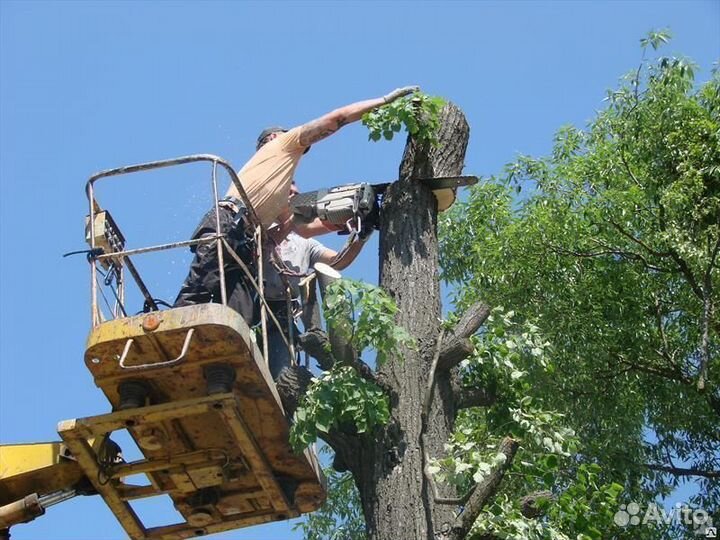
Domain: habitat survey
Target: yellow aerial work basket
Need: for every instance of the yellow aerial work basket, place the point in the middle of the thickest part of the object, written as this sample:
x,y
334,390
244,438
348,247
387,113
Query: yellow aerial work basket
x,y
194,391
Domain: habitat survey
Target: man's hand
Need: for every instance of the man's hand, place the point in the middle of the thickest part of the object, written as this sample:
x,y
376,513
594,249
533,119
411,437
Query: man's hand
x,y
400,92
328,124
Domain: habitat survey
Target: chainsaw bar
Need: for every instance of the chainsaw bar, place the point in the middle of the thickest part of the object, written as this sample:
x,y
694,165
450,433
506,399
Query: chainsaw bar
x,y
440,182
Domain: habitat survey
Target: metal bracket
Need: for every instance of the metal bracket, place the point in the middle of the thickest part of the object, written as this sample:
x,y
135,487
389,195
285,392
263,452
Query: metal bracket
x,y
75,434
167,363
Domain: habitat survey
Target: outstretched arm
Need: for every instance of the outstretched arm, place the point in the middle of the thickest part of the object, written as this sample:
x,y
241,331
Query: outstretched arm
x,y
348,254
340,261
328,124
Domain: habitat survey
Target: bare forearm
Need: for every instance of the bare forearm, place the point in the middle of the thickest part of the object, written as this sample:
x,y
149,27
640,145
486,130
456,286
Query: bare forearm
x,y
354,111
325,126
349,255
316,227
328,124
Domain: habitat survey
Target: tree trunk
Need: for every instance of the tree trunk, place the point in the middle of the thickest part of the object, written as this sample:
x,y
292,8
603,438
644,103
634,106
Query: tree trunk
x,y
397,500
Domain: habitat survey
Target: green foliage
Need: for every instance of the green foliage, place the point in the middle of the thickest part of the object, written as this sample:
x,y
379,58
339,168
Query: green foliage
x,y
584,511
509,356
340,518
341,399
418,113
656,38
613,255
365,316
586,507
606,267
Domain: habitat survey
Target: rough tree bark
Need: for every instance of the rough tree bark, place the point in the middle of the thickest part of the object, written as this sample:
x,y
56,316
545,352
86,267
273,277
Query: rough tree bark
x,y
399,500
393,488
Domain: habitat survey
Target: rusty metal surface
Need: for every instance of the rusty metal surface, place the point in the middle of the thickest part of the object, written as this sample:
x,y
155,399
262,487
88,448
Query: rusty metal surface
x,y
87,459
30,468
122,258
239,450
247,490
20,511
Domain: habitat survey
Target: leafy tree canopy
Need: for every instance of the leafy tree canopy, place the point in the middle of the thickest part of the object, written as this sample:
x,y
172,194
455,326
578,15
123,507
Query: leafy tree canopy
x,y
600,356
613,256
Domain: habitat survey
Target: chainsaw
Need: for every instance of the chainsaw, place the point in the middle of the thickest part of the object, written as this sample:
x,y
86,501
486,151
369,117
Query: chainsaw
x,y
358,205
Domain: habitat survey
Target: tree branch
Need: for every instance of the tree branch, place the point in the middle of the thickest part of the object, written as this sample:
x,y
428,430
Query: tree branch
x,y
665,351
680,471
672,374
672,253
291,384
484,492
457,350
466,396
347,449
317,344
458,346
625,163
708,308
713,257
528,508
675,375
474,397
639,242
609,250
528,504
689,276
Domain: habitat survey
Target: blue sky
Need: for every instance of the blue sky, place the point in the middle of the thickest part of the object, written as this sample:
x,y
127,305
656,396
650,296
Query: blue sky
x,y
86,86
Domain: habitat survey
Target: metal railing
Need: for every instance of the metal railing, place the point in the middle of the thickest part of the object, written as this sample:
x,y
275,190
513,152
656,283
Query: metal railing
x,y
121,259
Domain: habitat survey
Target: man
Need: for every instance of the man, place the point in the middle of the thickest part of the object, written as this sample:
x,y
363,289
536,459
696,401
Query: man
x,y
298,255
266,179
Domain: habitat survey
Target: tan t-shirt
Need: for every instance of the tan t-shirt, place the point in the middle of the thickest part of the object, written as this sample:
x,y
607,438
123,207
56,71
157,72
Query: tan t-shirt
x,y
268,175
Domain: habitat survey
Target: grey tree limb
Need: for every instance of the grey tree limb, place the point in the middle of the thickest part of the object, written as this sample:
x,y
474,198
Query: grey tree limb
x,y
457,346
484,492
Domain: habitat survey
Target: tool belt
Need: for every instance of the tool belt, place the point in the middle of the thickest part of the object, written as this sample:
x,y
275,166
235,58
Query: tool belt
x,y
234,204
233,222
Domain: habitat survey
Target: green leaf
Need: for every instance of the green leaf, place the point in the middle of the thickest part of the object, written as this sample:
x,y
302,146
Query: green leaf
x,y
419,114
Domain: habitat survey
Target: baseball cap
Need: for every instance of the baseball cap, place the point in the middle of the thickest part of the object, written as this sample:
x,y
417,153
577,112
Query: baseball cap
x,y
267,131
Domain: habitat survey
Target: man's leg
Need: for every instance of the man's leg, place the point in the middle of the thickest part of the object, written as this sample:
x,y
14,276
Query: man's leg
x,y
279,355
241,297
202,284
194,289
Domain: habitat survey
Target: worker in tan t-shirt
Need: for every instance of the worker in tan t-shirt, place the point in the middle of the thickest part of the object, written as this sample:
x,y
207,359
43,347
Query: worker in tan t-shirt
x,y
266,179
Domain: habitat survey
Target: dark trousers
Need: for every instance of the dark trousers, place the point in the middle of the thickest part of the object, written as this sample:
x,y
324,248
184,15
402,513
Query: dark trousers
x,y
279,355
202,284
